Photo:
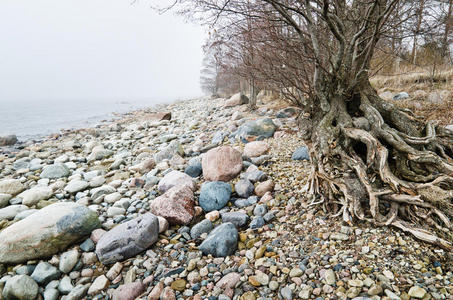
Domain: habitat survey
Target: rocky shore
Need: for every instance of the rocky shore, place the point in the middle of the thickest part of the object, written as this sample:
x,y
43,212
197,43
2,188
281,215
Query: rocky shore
x,y
201,200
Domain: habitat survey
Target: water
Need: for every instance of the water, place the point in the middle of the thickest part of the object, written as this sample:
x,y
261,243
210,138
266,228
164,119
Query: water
x,y
37,119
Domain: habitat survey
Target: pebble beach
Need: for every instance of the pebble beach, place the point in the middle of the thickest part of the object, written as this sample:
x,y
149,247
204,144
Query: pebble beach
x,y
199,199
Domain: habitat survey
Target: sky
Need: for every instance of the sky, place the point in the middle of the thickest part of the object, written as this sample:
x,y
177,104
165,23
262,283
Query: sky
x,y
84,49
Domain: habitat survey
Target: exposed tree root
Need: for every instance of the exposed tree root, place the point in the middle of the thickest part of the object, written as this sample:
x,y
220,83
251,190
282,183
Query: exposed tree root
x,y
395,172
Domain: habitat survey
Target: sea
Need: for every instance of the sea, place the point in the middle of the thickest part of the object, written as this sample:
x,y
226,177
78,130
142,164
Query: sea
x,y
35,120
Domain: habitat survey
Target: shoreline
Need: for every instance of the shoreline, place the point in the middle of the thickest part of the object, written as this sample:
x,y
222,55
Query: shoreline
x,y
184,209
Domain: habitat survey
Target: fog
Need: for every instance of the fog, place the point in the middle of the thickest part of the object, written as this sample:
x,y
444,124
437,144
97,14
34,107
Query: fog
x,y
85,49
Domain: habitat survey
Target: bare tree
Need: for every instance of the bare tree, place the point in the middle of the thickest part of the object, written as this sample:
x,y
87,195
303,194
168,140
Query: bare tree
x,y
370,160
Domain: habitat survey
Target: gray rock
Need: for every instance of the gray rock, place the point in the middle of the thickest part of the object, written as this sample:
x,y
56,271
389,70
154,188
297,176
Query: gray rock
x,y
254,176
449,127
257,222
68,260
218,137
167,153
269,217
87,245
301,154
8,140
34,195
65,286
55,171
286,293
9,212
128,239
4,200
244,188
20,287
221,242
261,127
46,232
22,163
11,186
77,293
198,229
75,186
237,218
23,214
44,273
51,294
260,210
401,96
214,195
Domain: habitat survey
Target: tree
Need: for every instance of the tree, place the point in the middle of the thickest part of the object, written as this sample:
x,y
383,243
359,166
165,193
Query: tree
x,y
370,160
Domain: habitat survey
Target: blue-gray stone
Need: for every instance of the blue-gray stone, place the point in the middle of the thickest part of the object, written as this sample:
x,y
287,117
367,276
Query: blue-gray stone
x,y
260,210
401,96
221,242
218,137
198,229
214,195
237,218
286,112
241,203
244,188
257,222
44,273
301,154
262,127
194,170
55,171
269,217
25,270
51,294
87,245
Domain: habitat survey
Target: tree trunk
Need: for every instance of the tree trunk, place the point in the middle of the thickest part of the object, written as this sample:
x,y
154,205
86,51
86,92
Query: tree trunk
x,y
417,30
376,163
445,45
252,100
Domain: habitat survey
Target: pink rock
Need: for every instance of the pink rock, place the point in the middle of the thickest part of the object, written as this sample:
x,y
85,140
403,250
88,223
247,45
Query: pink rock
x,y
160,116
156,291
221,164
168,294
255,149
176,205
229,281
264,187
176,178
137,183
148,279
97,234
267,197
128,291
213,215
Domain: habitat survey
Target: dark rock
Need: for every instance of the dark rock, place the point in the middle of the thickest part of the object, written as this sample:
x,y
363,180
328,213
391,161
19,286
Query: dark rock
x,y
262,127
257,222
128,239
221,242
401,96
194,170
287,112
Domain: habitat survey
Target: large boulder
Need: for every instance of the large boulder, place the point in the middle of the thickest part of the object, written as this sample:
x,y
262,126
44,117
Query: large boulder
x,y
128,239
34,195
20,287
258,128
11,186
176,205
55,171
256,148
221,164
8,140
214,195
221,242
46,232
237,99
176,178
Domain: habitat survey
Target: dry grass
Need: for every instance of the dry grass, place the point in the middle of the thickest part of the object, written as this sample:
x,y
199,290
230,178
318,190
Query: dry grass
x,y
411,81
